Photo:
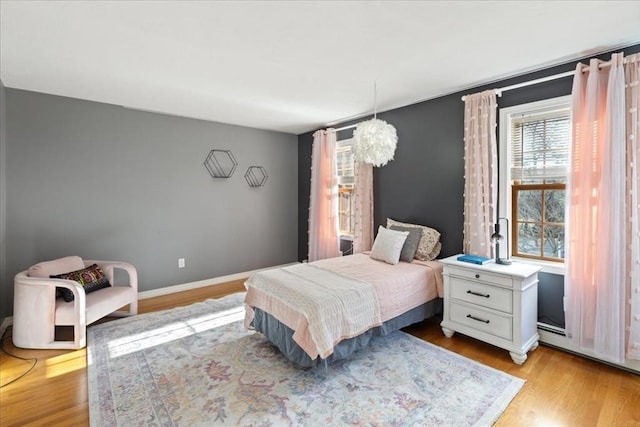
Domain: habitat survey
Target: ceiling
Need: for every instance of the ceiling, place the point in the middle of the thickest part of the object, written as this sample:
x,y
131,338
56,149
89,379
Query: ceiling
x,y
292,66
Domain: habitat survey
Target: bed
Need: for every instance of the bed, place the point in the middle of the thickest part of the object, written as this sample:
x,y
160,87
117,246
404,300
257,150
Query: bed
x,y
323,311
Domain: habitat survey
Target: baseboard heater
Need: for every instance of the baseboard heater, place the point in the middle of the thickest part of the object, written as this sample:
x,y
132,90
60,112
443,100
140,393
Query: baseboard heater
x,y
553,329
556,337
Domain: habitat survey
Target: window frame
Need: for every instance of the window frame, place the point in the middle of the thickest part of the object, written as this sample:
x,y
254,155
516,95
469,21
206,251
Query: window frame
x,y
506,206
340,144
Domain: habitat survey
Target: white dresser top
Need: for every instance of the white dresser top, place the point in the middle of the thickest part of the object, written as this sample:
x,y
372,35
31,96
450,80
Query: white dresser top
x,y
514,269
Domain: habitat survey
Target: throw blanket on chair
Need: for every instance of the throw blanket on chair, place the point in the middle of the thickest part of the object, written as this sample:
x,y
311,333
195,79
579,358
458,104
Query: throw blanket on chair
x,y
321,306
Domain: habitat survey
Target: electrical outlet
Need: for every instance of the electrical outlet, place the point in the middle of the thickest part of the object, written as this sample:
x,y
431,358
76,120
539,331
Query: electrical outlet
x,y
180,262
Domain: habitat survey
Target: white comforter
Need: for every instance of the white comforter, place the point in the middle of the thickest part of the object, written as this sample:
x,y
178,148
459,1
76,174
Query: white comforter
x,y
322,307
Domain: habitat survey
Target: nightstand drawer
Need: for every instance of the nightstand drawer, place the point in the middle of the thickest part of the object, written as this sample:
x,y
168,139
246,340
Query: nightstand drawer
x,y
482,295
485,321
478,274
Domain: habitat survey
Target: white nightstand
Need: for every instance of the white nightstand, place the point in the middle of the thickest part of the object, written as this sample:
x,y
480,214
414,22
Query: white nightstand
x,y
494,303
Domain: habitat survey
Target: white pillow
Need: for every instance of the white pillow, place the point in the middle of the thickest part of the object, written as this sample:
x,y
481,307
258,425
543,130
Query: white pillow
x,y
388,245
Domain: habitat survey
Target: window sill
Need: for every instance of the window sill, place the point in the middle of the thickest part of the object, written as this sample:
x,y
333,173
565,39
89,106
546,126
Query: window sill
x,y
547,266
346,237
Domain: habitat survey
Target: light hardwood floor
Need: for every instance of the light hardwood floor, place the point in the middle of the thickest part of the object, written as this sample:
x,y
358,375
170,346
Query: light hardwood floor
x,y
561,389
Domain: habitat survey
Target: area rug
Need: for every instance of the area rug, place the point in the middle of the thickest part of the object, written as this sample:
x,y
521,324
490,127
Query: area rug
x,y
199,366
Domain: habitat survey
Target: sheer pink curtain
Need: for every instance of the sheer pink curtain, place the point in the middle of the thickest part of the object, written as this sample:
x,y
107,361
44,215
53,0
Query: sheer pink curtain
x,y
480,172
323,206
597,235
632,104
363,195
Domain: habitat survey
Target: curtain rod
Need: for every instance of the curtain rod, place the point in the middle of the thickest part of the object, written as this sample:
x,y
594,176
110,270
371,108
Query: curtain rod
x,y
534,82
345,127
585,68
530,83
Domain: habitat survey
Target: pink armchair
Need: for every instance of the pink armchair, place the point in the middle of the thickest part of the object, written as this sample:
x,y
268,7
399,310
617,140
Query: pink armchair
x,y
37,310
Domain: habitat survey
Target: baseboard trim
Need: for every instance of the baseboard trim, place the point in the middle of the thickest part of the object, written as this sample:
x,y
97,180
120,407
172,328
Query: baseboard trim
x,y
167,290
563,343
6,322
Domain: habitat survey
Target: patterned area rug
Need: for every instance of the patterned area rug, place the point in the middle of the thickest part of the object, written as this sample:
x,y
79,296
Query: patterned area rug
x,y
199,366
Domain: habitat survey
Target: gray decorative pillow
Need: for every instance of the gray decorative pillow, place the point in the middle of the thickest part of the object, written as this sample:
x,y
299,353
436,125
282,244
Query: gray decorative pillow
x,y
388,245
411,244
428,247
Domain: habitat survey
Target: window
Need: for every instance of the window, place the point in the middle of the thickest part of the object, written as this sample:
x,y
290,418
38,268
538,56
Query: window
x,y
345,168
535,143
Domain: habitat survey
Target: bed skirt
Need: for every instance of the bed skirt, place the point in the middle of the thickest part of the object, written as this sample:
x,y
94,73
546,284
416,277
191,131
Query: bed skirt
x,y
282,336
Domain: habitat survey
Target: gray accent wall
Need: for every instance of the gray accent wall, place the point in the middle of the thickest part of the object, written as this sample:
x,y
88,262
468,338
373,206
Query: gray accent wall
x,y
104,182
551,299
424,182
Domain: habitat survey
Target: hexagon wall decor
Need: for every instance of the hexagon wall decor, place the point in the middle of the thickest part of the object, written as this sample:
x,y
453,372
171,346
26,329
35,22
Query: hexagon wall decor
x,y
220,163
256,176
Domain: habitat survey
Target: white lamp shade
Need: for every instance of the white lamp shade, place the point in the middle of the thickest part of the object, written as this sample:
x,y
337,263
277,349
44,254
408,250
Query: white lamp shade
x,y
375,142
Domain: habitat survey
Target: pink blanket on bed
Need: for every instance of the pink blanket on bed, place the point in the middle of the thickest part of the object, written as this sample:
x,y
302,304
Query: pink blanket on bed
x,y
395,289
399,287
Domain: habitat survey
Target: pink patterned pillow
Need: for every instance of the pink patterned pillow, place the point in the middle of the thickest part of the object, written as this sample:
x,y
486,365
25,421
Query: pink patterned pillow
x,y
91,278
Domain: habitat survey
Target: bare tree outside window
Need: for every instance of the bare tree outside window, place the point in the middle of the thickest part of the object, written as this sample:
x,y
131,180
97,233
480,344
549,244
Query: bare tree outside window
x,y
540,220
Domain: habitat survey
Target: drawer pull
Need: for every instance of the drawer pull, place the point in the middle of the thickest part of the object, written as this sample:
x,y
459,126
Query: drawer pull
x,y
477,276
478,319
478,294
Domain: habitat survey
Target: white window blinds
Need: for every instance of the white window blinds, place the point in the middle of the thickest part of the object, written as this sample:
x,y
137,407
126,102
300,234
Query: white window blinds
x,y
540,145
345,162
